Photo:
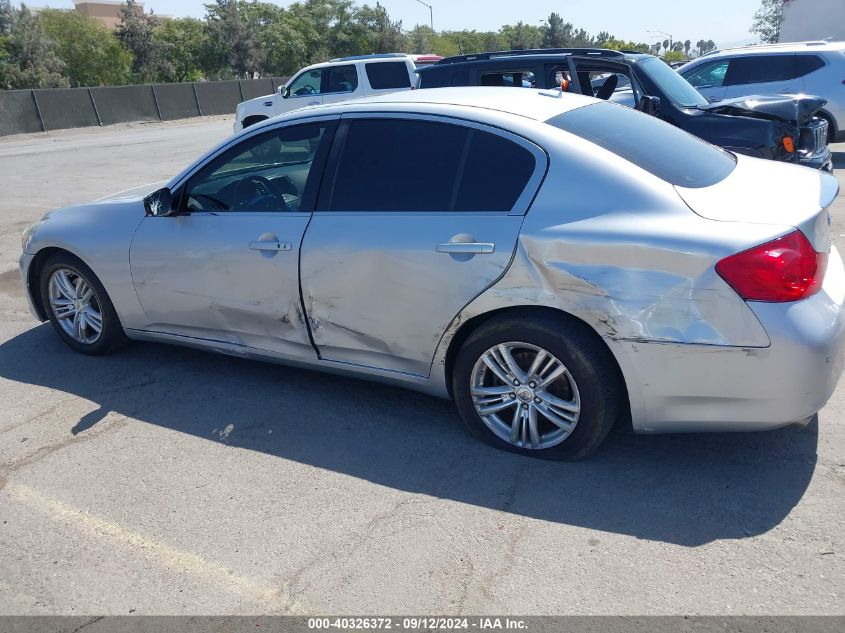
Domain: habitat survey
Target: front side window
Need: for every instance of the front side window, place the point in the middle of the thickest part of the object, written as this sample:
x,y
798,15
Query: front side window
x,y
340,79
755,69
407,165
386,75
710,75
653,145
269,172
308,83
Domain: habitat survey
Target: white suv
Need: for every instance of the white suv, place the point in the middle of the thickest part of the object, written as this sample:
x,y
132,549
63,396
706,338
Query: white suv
x,y
337,80
811,68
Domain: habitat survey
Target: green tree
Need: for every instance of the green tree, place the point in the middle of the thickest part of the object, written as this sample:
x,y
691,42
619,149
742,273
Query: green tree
x,y
233,33
522,36
186,50
767,21
674,56
554,35
91,53
687,46
149,56
6,14
28,58
374,31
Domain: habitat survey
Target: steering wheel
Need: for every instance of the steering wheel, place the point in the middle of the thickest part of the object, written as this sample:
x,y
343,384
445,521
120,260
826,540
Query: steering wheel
x,y
257,193
306,90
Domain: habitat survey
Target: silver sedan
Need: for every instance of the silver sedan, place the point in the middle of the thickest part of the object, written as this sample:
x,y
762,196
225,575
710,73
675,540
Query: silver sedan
x,y
552,263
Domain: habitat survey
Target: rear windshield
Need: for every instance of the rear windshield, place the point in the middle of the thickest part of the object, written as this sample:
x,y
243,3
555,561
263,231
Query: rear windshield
x,y
661,149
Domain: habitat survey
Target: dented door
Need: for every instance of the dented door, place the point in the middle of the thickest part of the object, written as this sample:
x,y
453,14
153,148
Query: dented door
x,y
227,277
416,217
226,266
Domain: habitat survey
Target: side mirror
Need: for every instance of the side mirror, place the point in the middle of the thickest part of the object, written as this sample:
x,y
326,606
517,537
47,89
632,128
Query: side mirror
x,y
283,90
650,105
159,203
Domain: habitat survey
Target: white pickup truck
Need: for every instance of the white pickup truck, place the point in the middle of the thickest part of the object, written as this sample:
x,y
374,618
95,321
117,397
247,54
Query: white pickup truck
x,y
337,80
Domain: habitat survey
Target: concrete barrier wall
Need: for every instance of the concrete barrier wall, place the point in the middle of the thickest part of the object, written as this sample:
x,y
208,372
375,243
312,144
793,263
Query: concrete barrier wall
x,y
18,112
116,104
176,101
219,97
66,107
44,110
257,88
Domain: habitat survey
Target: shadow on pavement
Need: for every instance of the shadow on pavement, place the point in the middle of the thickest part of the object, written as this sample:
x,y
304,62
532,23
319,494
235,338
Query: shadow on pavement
x,y
839,160
683,489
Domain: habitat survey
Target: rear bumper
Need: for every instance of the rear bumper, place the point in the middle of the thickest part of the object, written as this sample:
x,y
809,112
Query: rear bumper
x,y
685,388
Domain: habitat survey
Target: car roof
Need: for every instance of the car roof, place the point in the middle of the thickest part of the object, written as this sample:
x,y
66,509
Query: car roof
x,y
369,59
785,47
539,105
508,58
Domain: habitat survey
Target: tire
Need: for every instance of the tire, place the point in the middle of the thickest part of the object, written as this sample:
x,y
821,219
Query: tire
x,y
85,340
590,382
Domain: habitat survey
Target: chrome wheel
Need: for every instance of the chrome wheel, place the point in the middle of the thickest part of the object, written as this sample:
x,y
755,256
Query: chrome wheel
x,y
75,306
525,395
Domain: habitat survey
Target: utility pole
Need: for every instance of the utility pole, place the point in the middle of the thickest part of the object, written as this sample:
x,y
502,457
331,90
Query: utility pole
x,y
661,33
430,12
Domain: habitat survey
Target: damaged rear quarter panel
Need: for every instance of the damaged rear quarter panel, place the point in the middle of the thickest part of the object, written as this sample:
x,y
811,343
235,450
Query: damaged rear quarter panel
x,y
619,249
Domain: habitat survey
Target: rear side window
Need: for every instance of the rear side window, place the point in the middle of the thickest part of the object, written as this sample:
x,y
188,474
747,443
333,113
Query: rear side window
x,y
654,145
761,69
460,78
340,79
807,64
403,165
515,79
385,75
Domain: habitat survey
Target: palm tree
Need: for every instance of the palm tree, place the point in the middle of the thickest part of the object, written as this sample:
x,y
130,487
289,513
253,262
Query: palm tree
x,y
687,46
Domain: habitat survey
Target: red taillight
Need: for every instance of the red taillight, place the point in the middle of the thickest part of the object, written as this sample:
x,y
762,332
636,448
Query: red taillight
x,y
785,269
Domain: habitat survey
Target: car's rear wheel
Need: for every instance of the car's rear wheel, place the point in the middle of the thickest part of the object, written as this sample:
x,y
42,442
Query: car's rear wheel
x,y
78,307
540,386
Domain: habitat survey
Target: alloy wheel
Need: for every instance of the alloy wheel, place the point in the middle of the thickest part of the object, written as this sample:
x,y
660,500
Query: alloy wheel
x,y
525,395
75,306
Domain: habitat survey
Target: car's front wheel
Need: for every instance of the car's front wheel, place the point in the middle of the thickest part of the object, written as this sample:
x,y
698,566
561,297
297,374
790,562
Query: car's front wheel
x,y
78,307
543,387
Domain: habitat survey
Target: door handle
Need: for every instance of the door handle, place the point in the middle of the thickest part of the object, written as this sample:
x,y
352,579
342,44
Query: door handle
x,y
269,245
484,248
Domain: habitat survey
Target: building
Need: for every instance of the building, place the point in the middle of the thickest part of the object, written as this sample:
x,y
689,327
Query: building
x,y
108,12
805,20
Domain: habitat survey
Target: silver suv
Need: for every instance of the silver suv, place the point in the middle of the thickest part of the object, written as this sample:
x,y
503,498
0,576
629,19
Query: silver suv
x,y
812,68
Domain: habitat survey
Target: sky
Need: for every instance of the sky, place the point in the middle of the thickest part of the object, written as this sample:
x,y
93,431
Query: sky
x,y
726,22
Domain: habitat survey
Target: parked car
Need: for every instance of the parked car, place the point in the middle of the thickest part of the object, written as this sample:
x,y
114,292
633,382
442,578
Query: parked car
x,y
337,80
815,68
779,128
550,261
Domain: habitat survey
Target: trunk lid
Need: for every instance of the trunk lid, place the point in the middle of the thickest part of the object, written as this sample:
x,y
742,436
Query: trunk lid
x,y
767,192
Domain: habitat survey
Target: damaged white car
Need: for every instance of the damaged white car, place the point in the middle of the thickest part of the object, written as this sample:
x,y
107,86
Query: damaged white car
x,y
552,263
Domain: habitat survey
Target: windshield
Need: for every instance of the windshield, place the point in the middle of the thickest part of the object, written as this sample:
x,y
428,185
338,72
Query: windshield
x,y
676,88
